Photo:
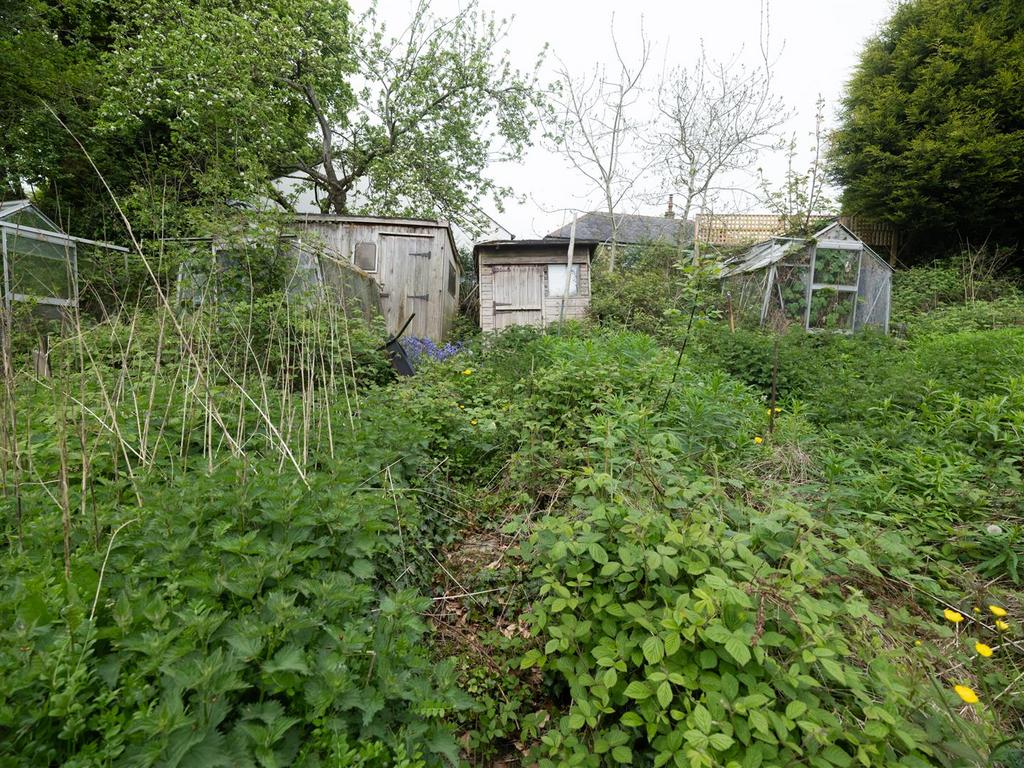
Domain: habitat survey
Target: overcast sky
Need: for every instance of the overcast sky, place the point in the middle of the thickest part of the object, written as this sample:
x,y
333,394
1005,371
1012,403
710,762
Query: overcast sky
x,y
816,43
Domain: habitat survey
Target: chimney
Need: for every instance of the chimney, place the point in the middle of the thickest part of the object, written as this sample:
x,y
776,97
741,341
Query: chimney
x,y
670,214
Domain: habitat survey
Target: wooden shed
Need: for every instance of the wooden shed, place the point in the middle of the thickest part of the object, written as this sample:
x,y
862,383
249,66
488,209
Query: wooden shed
x,y
414,261
523,282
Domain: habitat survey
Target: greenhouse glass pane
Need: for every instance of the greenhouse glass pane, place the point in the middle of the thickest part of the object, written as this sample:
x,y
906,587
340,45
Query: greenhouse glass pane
x,y
835,266
27,217
791,282
832,309
40,268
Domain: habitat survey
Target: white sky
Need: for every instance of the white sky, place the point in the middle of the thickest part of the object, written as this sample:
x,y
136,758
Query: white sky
x,y
817,43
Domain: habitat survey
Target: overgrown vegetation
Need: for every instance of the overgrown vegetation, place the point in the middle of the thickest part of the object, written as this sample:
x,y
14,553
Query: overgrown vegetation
x,y
231,548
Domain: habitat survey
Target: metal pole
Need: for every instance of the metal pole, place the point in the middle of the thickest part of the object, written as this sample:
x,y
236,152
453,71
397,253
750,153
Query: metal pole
x,y
568,269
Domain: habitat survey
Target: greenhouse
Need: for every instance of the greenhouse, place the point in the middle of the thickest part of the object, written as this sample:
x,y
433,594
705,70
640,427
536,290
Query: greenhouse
x,y
40,261
829,281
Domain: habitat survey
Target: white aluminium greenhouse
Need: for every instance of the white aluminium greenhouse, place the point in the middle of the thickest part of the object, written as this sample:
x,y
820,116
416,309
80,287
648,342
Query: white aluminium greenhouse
x,y
40,261
829,281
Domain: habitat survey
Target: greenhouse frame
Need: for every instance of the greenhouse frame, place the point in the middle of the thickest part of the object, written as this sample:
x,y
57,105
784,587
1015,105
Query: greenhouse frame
x,y
40,260
829,281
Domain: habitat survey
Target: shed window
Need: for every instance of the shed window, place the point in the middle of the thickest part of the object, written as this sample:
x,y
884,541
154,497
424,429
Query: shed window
x,y
556,280
366,256
452,284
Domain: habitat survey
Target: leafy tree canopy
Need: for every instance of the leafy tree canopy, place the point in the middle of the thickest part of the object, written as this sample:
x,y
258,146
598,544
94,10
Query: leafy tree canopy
x,y
436,104
932,132
187,108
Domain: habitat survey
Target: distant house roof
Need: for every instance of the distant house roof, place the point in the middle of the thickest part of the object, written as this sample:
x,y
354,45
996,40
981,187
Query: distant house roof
x,y
630,229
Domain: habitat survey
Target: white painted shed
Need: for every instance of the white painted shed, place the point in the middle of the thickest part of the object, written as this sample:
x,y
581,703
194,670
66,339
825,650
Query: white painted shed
x,y
523,282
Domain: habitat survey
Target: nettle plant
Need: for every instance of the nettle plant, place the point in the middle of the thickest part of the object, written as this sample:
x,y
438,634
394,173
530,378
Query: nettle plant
x,y
695,632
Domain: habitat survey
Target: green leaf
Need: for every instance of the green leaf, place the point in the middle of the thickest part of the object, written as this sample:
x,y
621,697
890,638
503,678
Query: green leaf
x,y
794,709
654,649
836,756
672,643
362,569
720,741
738,650
622,754
702,718
289,659
532,658
597,553
632,719
576,721
834,670
637,690
664,695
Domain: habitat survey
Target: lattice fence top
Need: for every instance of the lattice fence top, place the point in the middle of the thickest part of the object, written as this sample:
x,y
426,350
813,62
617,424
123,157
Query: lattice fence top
x,y
738,228
746,228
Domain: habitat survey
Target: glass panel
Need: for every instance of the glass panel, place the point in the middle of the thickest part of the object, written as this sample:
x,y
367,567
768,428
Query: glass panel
x,y
832,309
835,266
27,217
39,268
366,256
556,280
451,280
872,306
791,291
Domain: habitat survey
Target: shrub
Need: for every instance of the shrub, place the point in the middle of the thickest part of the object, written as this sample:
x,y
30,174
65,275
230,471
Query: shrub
x,y
680,627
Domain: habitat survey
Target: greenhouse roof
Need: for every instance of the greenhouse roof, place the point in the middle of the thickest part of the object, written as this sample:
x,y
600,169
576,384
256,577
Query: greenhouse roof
x,y
769,252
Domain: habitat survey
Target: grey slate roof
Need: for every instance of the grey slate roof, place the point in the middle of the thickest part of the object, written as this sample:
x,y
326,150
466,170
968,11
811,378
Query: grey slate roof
x,y
631,229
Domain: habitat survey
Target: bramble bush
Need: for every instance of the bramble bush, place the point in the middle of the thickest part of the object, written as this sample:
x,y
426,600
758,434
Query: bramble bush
x,y
679,624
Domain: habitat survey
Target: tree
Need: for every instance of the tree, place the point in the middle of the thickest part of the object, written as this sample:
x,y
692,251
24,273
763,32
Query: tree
x,y
800,201
597,132
437,104
184,107
932,127
713,118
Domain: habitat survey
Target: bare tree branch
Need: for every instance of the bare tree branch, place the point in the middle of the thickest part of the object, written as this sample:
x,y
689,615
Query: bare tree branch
x,y
596,130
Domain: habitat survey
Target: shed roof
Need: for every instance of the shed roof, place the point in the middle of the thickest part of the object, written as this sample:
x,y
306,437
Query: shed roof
x,y
549,245
773,251
395,221
546,244
630,229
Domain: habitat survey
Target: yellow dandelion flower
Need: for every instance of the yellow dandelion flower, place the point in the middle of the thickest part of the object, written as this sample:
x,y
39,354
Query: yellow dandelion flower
x,y
976,609
983,650
997,611
467,372
917,643
953,616
1001,625
472,421
965,693
758,440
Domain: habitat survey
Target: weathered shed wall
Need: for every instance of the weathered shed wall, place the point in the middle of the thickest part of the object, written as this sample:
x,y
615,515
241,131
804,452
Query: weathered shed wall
x,y
413,261
515,289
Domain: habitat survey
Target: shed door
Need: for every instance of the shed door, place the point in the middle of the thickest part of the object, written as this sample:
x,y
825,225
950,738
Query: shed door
x,y
405,268
518,295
